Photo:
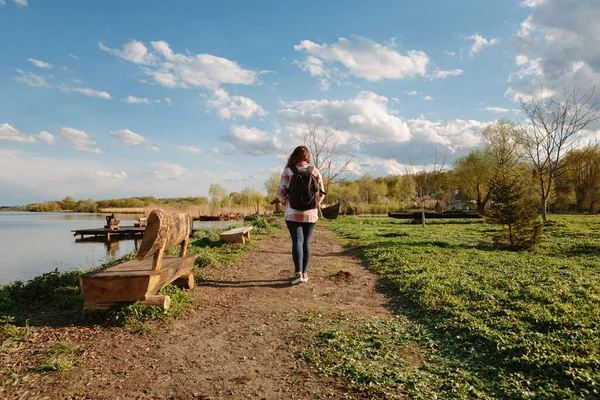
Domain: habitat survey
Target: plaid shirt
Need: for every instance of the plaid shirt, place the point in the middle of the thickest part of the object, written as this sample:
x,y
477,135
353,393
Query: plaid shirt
x,y
282,191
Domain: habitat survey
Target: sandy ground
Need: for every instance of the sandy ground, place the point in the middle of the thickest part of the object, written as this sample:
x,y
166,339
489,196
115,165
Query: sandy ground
x,y
237,342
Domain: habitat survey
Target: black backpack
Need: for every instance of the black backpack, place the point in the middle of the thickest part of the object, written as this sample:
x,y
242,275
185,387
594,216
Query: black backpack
x,y
303,191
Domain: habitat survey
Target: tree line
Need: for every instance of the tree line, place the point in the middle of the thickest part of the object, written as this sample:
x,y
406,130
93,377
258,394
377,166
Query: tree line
x,y
550,156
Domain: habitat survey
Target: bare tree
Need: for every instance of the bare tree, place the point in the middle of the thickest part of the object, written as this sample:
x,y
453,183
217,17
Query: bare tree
x,y
552,127
426,181
323,144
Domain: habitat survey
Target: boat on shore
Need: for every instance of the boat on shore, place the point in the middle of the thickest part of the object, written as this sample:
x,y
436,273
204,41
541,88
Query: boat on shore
x,y
428,215
221,217
331,212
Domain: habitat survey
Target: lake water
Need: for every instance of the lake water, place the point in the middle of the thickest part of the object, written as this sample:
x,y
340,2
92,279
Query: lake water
x,y
34,243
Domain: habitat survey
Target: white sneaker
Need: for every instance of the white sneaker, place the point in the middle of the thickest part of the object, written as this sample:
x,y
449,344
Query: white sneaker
x,y
297,278
304,277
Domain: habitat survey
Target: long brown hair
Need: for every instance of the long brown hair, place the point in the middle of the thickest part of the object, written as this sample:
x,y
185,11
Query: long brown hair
x,y
299,154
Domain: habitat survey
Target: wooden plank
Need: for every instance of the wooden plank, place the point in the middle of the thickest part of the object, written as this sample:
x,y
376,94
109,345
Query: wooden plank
x,y
133,280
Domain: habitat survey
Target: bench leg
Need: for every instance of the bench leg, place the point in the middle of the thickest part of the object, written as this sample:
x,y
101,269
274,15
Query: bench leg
x,y
162,302
157,260
184,246
185,281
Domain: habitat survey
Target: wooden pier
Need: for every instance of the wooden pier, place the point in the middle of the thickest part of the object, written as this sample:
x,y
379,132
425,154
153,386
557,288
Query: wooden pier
x,y
124,232
101,234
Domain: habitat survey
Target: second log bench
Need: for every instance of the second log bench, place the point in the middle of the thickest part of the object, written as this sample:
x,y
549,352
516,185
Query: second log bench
x,y
236,235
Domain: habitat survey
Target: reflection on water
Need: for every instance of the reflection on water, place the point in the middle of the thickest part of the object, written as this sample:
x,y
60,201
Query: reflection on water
x,y
34,243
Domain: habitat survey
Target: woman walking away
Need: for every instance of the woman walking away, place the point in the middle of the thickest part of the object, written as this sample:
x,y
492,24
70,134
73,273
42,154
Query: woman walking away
x,y
301,190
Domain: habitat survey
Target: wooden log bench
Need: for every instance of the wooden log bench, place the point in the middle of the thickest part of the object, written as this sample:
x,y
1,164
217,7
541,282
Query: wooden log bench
x,y
236,235
140,279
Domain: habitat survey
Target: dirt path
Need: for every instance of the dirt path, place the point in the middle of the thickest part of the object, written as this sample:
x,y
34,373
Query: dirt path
x,y
235,343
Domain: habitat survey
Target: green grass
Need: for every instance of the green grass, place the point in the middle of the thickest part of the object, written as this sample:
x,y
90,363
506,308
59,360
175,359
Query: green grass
x,y
501,323
135,316
59,357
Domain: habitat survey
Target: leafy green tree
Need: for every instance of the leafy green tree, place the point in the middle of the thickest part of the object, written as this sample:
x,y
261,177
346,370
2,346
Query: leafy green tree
x,y
253,197
271,185
68,203
473,174
217,194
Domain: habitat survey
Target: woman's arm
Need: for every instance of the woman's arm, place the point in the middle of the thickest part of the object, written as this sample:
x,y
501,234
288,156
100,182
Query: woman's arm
x,y
321,186
282,189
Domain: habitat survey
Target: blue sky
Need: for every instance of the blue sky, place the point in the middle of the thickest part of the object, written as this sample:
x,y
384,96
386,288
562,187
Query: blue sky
x,y
107,99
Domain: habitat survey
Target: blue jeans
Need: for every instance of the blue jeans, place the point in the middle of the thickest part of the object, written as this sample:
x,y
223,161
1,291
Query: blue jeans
x,y
301,233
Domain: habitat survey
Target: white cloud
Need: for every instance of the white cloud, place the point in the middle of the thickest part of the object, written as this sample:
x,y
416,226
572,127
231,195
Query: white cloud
x,y
252,141
428,98
532,3
375,166
73,56
139,100
134,51
324,85
411,93
521,60
129,138
558,46
480,43
198,150
449,53
313,65
79,140
112,175
168,101
192,149
21,3
153,149
182,70
449,139
46,137
35,178
170,171
496,109
529,68
362,58
364,118
454,134
518,94
234,106
31,79
88,92
12,134
365,124
441,74
39,64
